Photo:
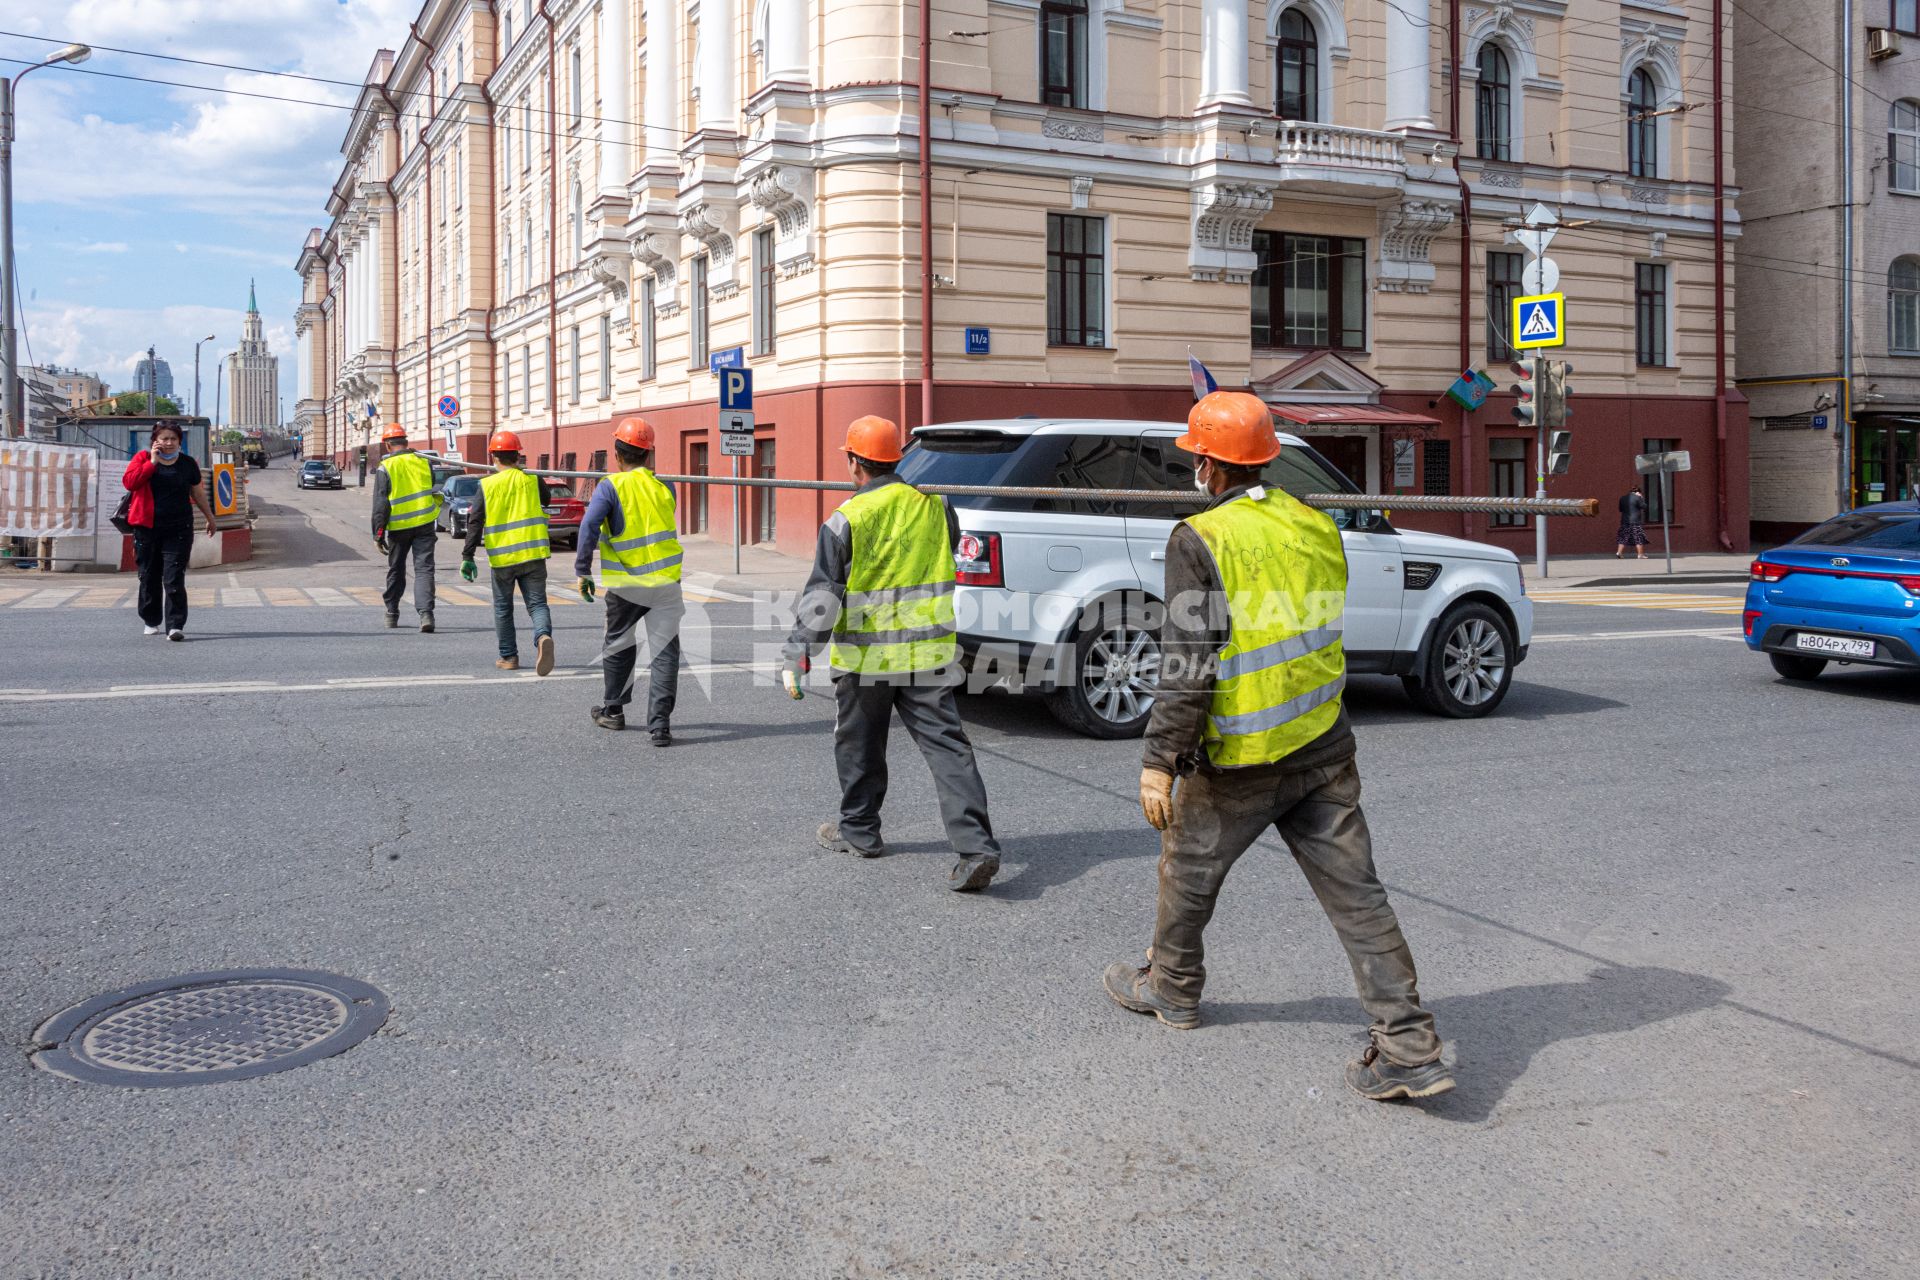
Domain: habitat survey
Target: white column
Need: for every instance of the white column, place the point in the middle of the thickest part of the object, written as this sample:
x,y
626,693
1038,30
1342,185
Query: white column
x,y
1409,73
787,41
1224,53
376,280
661,120
616,95
718,109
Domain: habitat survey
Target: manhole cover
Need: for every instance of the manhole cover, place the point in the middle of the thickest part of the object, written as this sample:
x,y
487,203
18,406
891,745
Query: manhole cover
x,y
206,1028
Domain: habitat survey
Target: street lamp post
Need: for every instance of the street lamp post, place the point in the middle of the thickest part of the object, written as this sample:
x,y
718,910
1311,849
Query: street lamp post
x,y
196,374
11,409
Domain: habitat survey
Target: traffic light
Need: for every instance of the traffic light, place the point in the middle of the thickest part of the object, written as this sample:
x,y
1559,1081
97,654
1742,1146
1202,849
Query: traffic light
x,y
1559,452
1551,395
1526,407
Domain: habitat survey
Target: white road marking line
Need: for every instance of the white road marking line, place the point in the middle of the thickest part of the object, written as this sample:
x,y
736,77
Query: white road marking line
x,y
1718,633
519,680
48,598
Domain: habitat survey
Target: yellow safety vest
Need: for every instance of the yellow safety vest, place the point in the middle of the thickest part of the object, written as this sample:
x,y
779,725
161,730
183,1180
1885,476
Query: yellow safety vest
x,y
1283,668
898,614
516,524
647,554
411,500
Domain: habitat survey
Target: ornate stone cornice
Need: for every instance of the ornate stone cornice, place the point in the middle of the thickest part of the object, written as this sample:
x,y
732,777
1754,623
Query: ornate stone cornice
x,y
1407,231
712,225
785,192
1224,215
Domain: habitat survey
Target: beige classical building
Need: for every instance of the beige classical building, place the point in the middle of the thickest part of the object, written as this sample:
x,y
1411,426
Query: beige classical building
x,y
1831,360
253,374
1302,193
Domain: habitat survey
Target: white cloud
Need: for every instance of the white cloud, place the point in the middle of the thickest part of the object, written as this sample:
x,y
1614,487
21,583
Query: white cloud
x,y
102,246
109,341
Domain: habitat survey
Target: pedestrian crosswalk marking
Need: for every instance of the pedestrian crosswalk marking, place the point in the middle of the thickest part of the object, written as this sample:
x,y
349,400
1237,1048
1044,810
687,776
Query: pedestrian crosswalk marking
x,y
1674,601
123,597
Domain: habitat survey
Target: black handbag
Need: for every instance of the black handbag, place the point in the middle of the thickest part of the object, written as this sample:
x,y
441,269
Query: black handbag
x,y
119,517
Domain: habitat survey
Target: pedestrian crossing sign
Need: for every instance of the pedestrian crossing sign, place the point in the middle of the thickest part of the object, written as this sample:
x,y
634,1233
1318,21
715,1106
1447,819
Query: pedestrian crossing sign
x,y
1539,321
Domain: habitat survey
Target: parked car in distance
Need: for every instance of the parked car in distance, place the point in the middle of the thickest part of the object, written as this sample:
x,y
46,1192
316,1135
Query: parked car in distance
x,y
456,503
564,512
1062,591
1846,591
319,473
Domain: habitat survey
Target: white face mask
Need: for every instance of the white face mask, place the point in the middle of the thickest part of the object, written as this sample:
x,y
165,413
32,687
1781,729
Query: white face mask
x,y
1199,481
165,454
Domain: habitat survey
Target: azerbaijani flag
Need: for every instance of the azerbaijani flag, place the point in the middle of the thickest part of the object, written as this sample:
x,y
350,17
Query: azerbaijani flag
x,y
1202,380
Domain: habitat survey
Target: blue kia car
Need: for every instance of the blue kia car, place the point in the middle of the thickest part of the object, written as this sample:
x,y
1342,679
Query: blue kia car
x,y
1845,591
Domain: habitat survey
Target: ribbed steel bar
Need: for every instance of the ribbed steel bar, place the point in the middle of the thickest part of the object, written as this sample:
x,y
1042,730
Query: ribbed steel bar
x,y
1160,497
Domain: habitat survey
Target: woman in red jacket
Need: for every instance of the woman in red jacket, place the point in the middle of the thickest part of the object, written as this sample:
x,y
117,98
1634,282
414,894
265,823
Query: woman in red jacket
x,y
165,484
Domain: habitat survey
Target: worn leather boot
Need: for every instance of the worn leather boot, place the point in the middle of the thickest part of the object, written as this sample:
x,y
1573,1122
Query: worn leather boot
x,y
609,717
975,871
831,840
507,664
1374,1077
1131,987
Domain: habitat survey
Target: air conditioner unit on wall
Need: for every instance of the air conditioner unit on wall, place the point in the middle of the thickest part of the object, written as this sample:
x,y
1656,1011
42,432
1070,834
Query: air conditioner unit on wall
x,y
1882,42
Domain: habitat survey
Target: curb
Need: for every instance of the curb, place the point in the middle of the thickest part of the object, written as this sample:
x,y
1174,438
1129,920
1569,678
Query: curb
x,y
1651,579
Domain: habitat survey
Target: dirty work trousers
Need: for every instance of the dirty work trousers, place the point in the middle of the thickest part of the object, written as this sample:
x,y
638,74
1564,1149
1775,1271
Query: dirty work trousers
x,y
629,612
417,542
1217,815
863,715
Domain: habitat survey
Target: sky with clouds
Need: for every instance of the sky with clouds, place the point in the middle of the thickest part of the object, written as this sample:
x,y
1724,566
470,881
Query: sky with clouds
x,y
142,210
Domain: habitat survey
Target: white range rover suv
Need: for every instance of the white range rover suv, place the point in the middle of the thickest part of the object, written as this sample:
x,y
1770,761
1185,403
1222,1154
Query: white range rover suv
x,y
1058,596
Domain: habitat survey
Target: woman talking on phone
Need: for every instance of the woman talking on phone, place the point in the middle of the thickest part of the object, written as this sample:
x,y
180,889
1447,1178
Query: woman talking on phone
x,y
165,486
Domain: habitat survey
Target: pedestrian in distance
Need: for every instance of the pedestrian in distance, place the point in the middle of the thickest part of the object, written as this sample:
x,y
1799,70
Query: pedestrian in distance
x,y
405,505
631,521
1633,522
165,485
881,596
1249,720
509,518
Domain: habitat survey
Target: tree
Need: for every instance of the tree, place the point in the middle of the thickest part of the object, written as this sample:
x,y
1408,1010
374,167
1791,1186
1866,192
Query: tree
x,y
134,404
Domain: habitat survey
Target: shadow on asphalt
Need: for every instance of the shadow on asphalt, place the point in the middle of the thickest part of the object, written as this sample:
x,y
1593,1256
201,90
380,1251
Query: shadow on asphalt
x,y
311,547
1380,700
1046,862
1879,686
1497,1033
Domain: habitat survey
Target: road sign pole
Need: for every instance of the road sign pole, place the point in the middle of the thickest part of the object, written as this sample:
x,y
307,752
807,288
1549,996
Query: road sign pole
x,y
1540,491
1666,514
737,491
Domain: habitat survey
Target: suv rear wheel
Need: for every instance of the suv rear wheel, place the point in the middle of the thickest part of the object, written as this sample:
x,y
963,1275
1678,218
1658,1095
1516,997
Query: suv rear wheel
x,y
1469,664
1116,668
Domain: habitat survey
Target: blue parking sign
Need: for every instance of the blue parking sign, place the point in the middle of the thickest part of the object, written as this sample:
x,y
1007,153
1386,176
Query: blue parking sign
x,y
736,389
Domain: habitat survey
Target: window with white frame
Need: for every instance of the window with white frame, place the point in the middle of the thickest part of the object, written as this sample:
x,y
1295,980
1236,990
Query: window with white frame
x,y
649,332
763,299
579,221
606,357
526,252
526,378
697,335
573,371
1296,62
1650,311
526,133
1903,307
1493,106
1643,127
576,82
1063,53
1903,147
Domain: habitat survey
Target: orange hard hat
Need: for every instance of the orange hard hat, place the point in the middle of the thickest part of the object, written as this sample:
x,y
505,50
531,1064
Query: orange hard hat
x,y
1233,427
393,431
503,442
637,432
874,439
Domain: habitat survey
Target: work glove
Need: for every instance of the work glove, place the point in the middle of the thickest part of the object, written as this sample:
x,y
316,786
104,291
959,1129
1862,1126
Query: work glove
x,y
380,541
469,570
790,674
1156,798
587,589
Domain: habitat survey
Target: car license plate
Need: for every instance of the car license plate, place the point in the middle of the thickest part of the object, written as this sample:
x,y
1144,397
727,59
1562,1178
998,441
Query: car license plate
x,y
1835,644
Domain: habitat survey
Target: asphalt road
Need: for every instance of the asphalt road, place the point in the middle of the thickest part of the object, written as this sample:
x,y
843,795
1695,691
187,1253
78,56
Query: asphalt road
x,y
1662,903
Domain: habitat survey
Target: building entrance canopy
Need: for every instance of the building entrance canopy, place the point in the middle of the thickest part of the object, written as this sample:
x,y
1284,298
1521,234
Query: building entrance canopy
x,y
1350,415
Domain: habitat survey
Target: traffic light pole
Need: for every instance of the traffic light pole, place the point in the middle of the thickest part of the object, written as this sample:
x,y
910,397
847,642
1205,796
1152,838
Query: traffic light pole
x,y
1540,488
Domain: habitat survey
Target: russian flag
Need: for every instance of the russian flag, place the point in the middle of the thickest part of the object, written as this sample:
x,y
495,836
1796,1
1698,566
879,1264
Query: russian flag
x,y
1202,380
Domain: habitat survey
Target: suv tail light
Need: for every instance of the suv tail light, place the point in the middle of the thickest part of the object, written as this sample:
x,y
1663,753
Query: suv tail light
x,y
976,561
1911,585
1761,571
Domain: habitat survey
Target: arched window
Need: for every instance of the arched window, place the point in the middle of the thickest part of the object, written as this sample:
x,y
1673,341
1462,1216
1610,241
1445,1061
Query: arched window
x,y
1296,61
1903,307
1643,130
1493,119
506,264
1903,146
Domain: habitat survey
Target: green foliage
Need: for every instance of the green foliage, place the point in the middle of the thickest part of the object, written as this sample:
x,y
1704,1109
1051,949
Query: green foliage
x,y
134,404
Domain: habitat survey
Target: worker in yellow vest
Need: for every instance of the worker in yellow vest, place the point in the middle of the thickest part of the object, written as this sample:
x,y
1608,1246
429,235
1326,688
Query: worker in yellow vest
x,y
1249,718
630,520
882,593
510,520
404,507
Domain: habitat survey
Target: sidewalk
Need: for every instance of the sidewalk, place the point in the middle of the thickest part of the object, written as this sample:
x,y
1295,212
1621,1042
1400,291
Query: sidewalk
x,y
1604,571
708,563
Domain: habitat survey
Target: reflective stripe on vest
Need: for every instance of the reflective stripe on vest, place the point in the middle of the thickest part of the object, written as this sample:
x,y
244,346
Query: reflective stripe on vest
x,y
898,613
411,500
516,525
1283,668
647,554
